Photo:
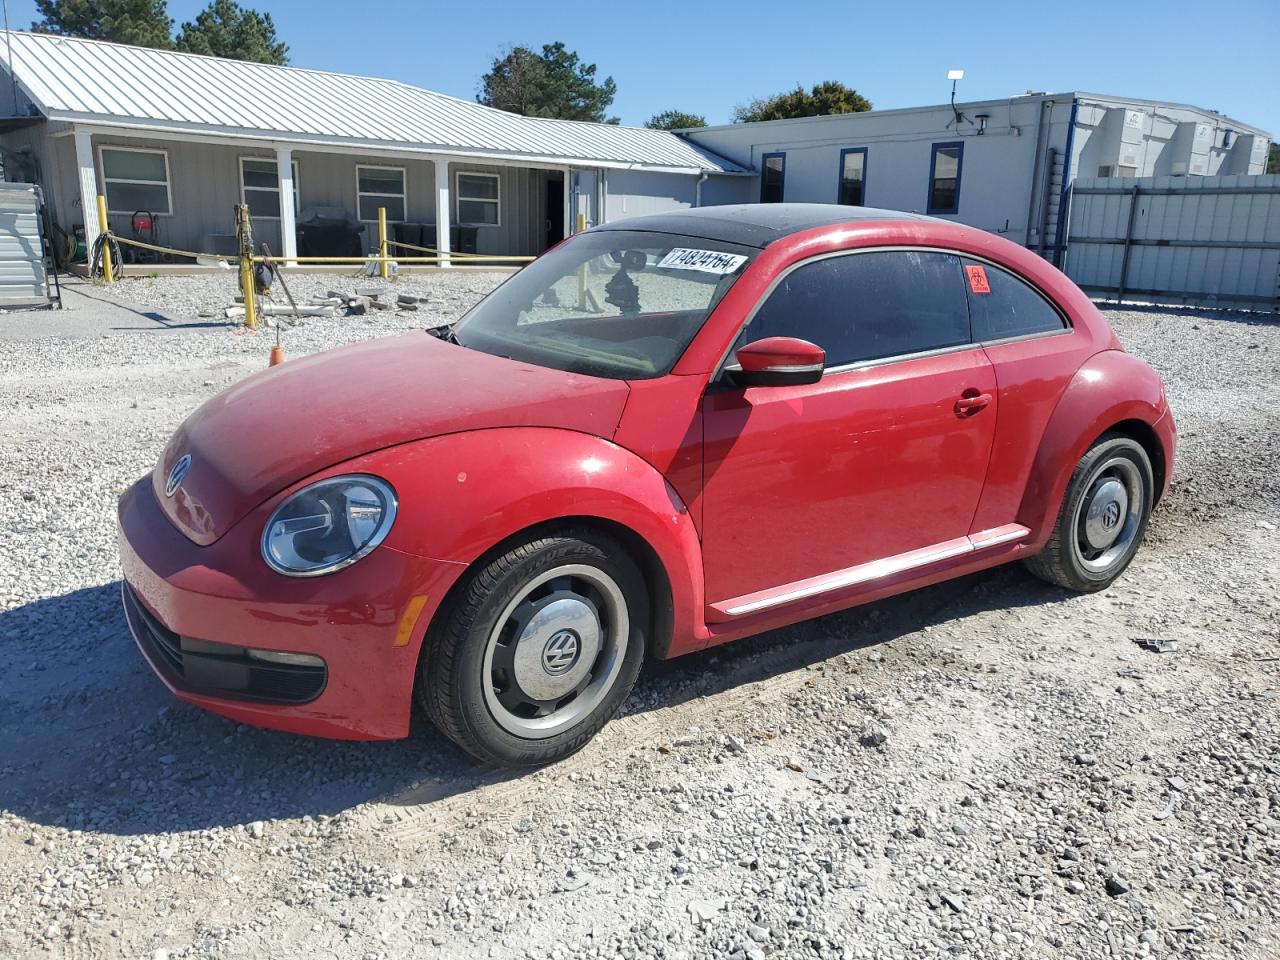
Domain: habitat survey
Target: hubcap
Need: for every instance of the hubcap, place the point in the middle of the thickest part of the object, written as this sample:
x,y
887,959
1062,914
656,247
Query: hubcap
x,y
555,651
1109,515
1107,506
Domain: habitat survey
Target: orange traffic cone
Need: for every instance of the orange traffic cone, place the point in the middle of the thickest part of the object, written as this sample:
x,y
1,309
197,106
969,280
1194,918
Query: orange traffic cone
x,y
277,356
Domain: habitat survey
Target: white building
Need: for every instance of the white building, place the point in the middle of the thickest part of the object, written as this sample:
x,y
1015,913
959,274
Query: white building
x,y
1001,165
178,139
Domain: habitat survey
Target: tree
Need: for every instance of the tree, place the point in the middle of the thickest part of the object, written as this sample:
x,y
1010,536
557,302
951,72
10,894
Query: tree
x,y
822,99
553,83
674,120
1273,159
226,29
145,23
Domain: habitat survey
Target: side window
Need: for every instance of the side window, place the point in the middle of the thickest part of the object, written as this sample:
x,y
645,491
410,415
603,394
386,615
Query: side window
x,y
1002,306
944,178
853,176
867,306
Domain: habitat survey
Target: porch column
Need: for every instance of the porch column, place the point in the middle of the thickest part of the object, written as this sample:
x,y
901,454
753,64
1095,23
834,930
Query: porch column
x,y
88,187
288,216
442,211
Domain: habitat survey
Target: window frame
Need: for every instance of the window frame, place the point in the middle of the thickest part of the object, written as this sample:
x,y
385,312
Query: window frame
x,y
404,195
933,178
168,177
244,188
840,176
782,176
728,363
458,198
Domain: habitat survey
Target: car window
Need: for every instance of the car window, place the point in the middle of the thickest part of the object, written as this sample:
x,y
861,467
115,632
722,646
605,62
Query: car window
x,y
868,306
1003,306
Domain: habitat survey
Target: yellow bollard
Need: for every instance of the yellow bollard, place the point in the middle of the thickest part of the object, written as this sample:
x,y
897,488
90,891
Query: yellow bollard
x,y
384,267
108,274
244,235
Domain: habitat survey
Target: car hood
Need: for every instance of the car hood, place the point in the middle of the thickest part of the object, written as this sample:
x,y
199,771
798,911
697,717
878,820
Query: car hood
x,y
279,426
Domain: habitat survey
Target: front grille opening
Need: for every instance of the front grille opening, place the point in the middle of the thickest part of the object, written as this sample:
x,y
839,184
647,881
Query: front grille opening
x,y
219,669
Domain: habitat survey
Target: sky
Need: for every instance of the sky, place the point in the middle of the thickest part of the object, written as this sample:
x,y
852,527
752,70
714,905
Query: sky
x,y
706,56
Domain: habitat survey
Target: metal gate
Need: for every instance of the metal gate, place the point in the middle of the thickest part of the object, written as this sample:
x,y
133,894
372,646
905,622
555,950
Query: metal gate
x,y
23,278
1207,241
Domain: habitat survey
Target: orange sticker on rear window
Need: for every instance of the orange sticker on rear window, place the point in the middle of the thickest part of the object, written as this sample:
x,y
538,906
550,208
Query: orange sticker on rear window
x,y
977,279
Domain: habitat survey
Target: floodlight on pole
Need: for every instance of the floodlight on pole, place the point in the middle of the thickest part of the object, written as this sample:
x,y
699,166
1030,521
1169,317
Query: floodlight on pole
x,y
953,76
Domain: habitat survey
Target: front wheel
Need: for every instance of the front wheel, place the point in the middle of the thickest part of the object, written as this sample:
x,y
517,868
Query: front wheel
x,y
1103,517
539,651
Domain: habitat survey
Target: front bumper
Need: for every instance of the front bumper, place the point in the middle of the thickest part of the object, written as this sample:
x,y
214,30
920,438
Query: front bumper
x,y
363,622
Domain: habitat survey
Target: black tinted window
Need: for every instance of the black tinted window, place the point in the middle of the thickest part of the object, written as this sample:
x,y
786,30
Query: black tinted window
x,y
866,306
1003,306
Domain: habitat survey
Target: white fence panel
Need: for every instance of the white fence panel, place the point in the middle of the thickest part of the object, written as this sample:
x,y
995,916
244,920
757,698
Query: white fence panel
x,y
1212,241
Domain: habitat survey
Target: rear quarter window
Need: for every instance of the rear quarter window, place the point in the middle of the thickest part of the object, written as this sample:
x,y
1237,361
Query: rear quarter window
x,y
1002,306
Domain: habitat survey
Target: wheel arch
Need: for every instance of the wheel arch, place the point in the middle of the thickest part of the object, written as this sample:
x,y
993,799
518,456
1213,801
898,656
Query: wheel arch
x,y
657,581
1112,391
472,495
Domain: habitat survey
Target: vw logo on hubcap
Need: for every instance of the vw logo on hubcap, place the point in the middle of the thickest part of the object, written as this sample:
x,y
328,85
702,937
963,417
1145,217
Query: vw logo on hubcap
x,y
560,653
1111,515
177,475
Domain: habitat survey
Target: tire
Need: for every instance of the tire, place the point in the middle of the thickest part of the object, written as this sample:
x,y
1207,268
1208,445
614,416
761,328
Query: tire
x,y
1109,495
568,610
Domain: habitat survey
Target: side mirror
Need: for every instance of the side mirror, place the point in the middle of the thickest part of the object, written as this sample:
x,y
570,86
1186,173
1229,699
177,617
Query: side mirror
x,y
778,362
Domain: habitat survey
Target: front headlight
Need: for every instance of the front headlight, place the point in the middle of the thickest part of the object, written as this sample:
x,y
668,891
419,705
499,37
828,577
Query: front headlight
x,y
328,525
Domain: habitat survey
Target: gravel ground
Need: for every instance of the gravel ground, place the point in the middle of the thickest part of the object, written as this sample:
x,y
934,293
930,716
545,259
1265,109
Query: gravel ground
x,y
988,768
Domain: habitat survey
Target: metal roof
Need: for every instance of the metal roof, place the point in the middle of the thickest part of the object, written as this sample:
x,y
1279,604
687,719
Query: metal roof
x,y
93,82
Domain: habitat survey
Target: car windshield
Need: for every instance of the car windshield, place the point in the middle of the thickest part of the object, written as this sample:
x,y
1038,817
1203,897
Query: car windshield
x,y
610,303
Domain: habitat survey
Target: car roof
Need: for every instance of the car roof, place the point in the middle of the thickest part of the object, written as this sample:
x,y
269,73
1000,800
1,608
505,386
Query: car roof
x,y
757,224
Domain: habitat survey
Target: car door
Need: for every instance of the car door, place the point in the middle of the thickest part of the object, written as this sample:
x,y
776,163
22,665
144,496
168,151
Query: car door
x,y
885,455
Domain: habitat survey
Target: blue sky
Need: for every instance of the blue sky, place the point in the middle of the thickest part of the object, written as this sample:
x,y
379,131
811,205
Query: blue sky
x,y
706,56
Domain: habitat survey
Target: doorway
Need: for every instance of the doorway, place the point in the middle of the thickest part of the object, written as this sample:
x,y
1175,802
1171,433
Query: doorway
x,y
554,222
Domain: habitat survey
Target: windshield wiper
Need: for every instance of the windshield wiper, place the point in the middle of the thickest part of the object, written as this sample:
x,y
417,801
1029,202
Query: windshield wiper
x,y
445,333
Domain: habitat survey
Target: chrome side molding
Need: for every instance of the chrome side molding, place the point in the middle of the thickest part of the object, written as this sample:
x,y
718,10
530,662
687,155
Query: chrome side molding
x,y
866,572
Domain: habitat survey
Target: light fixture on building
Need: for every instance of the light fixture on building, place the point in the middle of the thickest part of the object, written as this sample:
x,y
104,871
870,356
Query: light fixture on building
x,y
953,76
1228,137
982,119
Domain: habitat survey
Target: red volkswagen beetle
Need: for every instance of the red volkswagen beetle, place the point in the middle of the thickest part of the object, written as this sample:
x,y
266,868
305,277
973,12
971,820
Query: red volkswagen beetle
x,y
664,434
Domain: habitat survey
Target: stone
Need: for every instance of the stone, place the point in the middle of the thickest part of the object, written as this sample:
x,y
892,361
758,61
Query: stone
x,y
704,911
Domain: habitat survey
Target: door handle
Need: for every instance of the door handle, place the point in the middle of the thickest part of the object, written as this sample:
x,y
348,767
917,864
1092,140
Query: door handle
x,y
971,402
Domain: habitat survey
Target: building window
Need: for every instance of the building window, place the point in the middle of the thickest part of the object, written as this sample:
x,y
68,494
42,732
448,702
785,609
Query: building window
x,y
1126,171
773,174
135,179
477,199
1104,171
944,177
853,177
260,187
380,187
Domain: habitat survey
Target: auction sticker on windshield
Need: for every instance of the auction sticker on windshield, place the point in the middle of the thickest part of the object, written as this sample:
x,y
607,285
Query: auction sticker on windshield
x,y
706,261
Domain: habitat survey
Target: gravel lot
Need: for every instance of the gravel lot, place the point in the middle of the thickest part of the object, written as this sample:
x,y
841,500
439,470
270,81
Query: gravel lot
x,y
987,768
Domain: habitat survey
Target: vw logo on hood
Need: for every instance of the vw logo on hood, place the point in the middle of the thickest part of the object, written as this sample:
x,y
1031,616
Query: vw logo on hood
x,y
177,475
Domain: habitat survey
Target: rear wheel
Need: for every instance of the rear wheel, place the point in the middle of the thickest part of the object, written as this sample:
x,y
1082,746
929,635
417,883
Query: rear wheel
x,y
1103,517
539,651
